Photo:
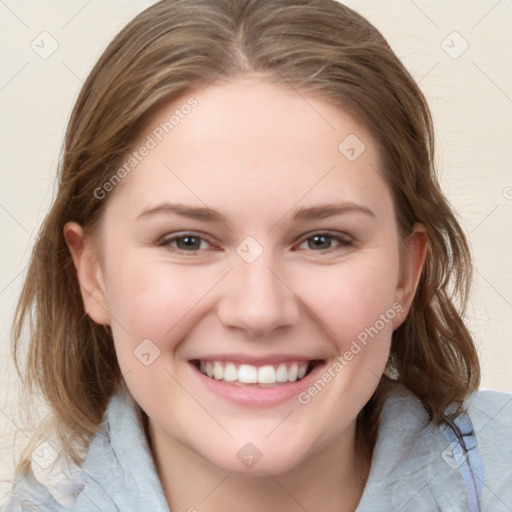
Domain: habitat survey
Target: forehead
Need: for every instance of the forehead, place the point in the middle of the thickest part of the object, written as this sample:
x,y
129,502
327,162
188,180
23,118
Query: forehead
x,y
256,140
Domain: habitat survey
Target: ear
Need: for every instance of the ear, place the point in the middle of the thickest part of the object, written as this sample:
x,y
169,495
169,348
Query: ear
x,y
411,261
89,273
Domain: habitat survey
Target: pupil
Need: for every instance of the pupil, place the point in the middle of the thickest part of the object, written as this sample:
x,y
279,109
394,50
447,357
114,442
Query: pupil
x,y
188,242
324,241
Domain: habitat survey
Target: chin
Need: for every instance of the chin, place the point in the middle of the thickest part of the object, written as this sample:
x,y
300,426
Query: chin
x,y
258,458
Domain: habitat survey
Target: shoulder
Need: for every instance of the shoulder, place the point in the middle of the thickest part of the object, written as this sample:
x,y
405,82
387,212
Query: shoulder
x,y
48,481
490,411
117,473
414,466
407,470
491,415
28,494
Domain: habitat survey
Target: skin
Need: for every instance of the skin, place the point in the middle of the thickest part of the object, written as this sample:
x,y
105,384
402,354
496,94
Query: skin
x,y
255,152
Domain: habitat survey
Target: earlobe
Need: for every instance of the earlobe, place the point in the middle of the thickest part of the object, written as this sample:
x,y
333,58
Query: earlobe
x,y
89,273
412,261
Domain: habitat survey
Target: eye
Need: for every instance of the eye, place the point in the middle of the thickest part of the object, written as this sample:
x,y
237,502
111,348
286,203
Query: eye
x,y
186,242
323,242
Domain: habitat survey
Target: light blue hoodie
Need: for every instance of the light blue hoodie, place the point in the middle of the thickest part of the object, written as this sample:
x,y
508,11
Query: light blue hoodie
x,y
415,468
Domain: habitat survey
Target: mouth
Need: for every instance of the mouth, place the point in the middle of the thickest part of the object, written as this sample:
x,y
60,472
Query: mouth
x,y
260,376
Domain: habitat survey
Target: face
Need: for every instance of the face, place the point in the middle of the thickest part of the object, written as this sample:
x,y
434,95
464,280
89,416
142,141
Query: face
x,y
249,267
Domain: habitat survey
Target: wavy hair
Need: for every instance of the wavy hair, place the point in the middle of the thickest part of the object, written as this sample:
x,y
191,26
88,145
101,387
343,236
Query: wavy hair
x,y
319,47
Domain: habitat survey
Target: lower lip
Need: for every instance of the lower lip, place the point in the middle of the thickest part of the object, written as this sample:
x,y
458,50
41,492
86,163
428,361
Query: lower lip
x,y
257,396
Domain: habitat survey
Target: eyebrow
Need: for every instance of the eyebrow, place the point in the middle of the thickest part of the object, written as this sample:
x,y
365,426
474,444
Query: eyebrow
x,y
328,210
192,212
207,214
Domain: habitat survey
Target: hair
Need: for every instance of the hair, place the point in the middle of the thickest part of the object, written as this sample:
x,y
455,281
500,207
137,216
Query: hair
x,y
319,47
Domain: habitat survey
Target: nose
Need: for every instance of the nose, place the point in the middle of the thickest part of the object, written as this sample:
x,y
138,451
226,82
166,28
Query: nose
x,y
257,300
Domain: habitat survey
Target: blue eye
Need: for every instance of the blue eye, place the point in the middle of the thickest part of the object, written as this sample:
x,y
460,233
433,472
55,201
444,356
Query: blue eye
x,y
324,241
188,242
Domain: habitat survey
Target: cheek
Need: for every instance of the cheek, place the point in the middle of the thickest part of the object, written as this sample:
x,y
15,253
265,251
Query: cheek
x,y
351,296
153,306
151,299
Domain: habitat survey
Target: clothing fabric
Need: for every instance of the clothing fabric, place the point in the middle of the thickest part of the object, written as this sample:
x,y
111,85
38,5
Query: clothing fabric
x,y
464,453
416,466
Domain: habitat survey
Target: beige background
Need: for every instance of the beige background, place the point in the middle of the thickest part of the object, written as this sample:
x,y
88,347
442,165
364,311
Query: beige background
x,y
470,94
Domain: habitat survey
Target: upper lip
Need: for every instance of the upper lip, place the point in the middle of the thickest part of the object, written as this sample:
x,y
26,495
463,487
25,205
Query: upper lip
x,y
256,360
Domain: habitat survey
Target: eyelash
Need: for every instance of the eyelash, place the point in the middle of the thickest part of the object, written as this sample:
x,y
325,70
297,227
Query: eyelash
x,y
343,241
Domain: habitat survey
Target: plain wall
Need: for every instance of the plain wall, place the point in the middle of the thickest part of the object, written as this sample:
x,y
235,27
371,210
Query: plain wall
x,y
470,93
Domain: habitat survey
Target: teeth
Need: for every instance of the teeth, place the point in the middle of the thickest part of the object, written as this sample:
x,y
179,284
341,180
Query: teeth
x,y
230,373
249,374
266,375
293,372
218,371
282,373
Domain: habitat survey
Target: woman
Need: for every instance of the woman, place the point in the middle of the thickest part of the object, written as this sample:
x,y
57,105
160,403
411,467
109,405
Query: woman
x,y
249,290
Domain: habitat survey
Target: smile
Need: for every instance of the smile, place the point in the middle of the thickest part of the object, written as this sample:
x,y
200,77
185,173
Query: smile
x,y
242,374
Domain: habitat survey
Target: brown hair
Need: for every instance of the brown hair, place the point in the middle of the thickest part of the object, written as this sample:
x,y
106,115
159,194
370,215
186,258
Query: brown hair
x,y
316,46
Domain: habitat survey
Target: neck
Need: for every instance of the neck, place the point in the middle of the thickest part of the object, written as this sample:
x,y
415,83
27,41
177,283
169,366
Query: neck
x,y
332,480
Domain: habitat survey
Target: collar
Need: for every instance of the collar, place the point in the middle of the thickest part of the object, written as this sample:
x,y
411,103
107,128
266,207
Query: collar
x,y
408,471
118,472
